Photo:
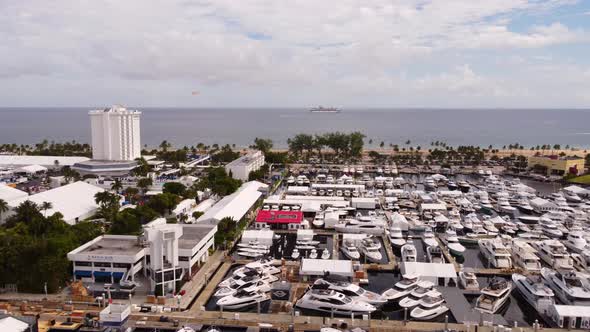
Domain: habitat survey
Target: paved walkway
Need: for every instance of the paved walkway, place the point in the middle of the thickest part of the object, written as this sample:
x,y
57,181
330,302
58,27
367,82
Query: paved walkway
x,y
193,287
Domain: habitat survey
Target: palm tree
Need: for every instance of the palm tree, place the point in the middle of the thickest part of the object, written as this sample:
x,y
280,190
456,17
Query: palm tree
x,y
117,185
3,207
46,206
144,183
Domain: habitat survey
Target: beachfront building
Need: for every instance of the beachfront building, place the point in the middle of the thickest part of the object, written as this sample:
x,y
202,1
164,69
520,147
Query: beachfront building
x,y
16,161
165,254
75,201
116,142
241,167
555,165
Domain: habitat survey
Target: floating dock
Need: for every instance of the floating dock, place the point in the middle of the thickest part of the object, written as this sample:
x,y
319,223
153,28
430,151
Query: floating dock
x,y
463,311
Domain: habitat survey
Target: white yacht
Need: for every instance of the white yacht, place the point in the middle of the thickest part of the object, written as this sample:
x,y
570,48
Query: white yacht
x,y
428,237
350,250
468,280
549,228
534,291
432,296
237,285
554,254
396,237
504,206
464,186
318,220
423,288
571,196
252,245
313,254
435,254
456,248
494,296
496,253
575,241
570,287
325,253
402,288
408,252
242,299
373,226
371,251
525,256
329,301
430,307
353,291
295,254
429,184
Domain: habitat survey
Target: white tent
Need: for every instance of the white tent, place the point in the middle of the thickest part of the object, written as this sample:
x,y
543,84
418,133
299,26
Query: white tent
x,y
10,324
320,267
433,272
31,169
7,193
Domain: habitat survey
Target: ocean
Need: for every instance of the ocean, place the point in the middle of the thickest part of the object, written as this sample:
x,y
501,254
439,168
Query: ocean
x,y
184,126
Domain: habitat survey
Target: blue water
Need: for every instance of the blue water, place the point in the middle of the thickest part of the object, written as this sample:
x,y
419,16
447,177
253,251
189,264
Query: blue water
x,y
183,126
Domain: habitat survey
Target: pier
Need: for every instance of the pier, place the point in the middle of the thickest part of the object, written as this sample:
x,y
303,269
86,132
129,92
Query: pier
x,y
462,310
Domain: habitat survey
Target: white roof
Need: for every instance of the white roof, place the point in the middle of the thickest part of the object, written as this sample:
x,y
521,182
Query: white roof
x,y
73,200
258,234
572,310
15,160
433,206
297,189
7,193
429,269
10,324
320,266
184,204
32,169
235,205
358,187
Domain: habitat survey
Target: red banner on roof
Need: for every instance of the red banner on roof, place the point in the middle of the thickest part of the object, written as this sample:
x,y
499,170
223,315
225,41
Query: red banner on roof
x,y
280,217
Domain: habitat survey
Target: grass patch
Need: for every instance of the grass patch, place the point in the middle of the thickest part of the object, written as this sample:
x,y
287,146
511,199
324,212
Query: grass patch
x,y
584,179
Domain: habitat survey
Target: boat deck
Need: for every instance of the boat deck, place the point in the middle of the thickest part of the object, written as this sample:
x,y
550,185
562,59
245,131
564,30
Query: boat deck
x,y
463,311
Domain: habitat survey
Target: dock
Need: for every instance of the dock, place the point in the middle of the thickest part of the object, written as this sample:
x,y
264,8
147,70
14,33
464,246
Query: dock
x,y
463,311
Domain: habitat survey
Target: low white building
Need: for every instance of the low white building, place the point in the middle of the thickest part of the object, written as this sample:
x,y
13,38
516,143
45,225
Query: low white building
x,y
75,201
262,236
322,267
241,167
439,274
46,161
570,316
165,254
8,193
236,205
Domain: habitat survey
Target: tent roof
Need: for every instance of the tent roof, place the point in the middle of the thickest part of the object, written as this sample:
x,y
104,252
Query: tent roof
x,y
32,169
8,193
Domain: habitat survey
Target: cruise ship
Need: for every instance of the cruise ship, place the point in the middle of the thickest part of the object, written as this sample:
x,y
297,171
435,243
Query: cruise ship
x,y
321,109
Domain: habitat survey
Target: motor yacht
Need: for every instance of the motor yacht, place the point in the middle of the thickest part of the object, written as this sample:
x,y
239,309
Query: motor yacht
x,y
494,296
295,254
242,299
504,206
252,245
235,286
575,241
371,251
331,301
313,254
396,237
525,256
419,291
432,296
430,307
253,253
554,254
408,252
571,196
402,288
435,255
534,291
350,250
524,206
549,228
318,220
429,184
452,185
325,253
468,280
351,290
496,253
570,287
452,241
464,186
373,226
428,238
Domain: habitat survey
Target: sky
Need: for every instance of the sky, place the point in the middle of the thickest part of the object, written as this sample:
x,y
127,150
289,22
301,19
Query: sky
x,y
296,53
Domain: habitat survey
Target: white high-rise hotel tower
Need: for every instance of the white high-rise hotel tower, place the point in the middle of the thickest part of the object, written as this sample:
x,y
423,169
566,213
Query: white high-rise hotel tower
x,y
115,134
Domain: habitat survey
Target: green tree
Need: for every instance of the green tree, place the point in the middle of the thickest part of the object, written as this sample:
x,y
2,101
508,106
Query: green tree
x,y
263,144
117,185
131,193
144,184
142,167
197,214
3,207
46,206
108,204
163,203
175,188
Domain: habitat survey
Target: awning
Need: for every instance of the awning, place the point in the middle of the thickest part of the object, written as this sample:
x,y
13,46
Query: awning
x,y
118,275
80,273
102,274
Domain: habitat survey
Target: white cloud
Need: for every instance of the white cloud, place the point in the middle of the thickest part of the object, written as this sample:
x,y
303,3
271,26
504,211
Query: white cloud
x,y
244,48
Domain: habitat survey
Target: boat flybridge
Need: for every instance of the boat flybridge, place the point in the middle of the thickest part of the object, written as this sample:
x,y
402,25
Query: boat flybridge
x,y
575,241
396,237
494,296
554,253
468,280
331,301
350,250
534,291
408,252
370,248
353,291
496,253
570,287
430,307
422,288
428,238
524,256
